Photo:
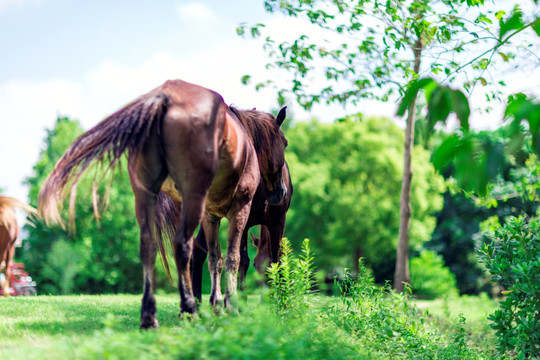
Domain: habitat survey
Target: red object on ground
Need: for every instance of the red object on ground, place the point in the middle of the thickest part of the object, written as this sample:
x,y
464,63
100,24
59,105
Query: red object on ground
x,y
21,283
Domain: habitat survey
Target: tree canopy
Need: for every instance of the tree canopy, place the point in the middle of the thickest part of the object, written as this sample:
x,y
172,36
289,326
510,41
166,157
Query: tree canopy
x,y
346,178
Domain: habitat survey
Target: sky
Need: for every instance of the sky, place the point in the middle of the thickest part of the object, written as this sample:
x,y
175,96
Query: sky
x,y
86,59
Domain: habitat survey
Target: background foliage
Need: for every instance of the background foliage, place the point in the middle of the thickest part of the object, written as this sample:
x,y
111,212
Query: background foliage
x,y
348,207
346,178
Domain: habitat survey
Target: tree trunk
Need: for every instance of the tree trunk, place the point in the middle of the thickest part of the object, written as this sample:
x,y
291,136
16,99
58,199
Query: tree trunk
x,y
402,275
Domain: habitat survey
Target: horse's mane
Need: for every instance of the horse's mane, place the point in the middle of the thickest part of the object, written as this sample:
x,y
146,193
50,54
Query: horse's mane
x,y
261,128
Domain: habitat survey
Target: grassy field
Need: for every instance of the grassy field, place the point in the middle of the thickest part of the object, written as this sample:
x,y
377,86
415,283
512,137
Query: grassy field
x,y
92,327
475,310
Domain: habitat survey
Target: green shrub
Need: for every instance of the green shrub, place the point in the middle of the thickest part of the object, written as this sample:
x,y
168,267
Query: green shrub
x,y
292,279
512,256
430,278
391,326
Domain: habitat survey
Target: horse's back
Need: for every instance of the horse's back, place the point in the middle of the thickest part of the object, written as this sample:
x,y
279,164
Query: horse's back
x,y
193,98
204,146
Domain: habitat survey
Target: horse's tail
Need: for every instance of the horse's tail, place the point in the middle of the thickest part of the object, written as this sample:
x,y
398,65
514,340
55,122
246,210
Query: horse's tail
x,y
7,203
167,222
125,130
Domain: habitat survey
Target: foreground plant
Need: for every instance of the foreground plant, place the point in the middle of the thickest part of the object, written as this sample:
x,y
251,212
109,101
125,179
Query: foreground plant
x,y
292,279
512,258
390,325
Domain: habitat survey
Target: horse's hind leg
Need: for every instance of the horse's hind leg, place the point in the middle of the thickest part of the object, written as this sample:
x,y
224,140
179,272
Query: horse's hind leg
x,y
196,264
190,217
215,259
147,172
145,212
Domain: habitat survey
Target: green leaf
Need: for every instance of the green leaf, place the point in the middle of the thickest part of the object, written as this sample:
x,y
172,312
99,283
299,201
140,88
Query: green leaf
x,y
439,104
443,155
240,30
245,79
536,26
521,108
460,105
515,103
534,126
514,22
412,92
483,18
475,2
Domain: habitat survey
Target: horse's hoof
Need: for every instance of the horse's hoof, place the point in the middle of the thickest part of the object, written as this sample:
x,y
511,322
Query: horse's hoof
x,y
149,323
189,306
230,306
188,316
216,301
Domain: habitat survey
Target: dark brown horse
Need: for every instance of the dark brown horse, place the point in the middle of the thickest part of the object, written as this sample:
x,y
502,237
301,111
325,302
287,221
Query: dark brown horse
x,y
271,217
9,232
183,140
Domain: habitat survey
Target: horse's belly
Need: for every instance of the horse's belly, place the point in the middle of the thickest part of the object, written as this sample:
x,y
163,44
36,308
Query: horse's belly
x,y
169,187
218,200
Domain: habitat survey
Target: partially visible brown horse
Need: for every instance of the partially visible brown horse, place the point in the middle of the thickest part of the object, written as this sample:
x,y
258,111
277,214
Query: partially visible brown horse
x,y
271,217
9,232
183,140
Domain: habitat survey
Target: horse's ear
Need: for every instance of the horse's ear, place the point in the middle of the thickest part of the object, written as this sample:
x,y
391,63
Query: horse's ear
x,y
281,116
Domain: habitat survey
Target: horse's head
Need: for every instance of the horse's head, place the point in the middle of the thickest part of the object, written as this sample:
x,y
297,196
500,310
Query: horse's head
x,y
272,162
269,142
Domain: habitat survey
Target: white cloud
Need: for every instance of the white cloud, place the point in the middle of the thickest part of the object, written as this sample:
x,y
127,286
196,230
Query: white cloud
x,y
26,109
29,107
196,11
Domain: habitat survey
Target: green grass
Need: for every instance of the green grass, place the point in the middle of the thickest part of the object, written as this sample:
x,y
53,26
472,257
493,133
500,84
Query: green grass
x,y
44,317
107,327
475,310
92,327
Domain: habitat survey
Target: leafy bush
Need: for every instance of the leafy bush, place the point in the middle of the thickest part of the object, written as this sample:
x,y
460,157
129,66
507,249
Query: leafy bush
x,y
430,278
390,325
291,280
373,316
512,258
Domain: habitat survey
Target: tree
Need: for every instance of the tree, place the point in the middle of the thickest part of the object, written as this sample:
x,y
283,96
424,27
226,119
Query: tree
x,y
346,178
379,51
383,49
